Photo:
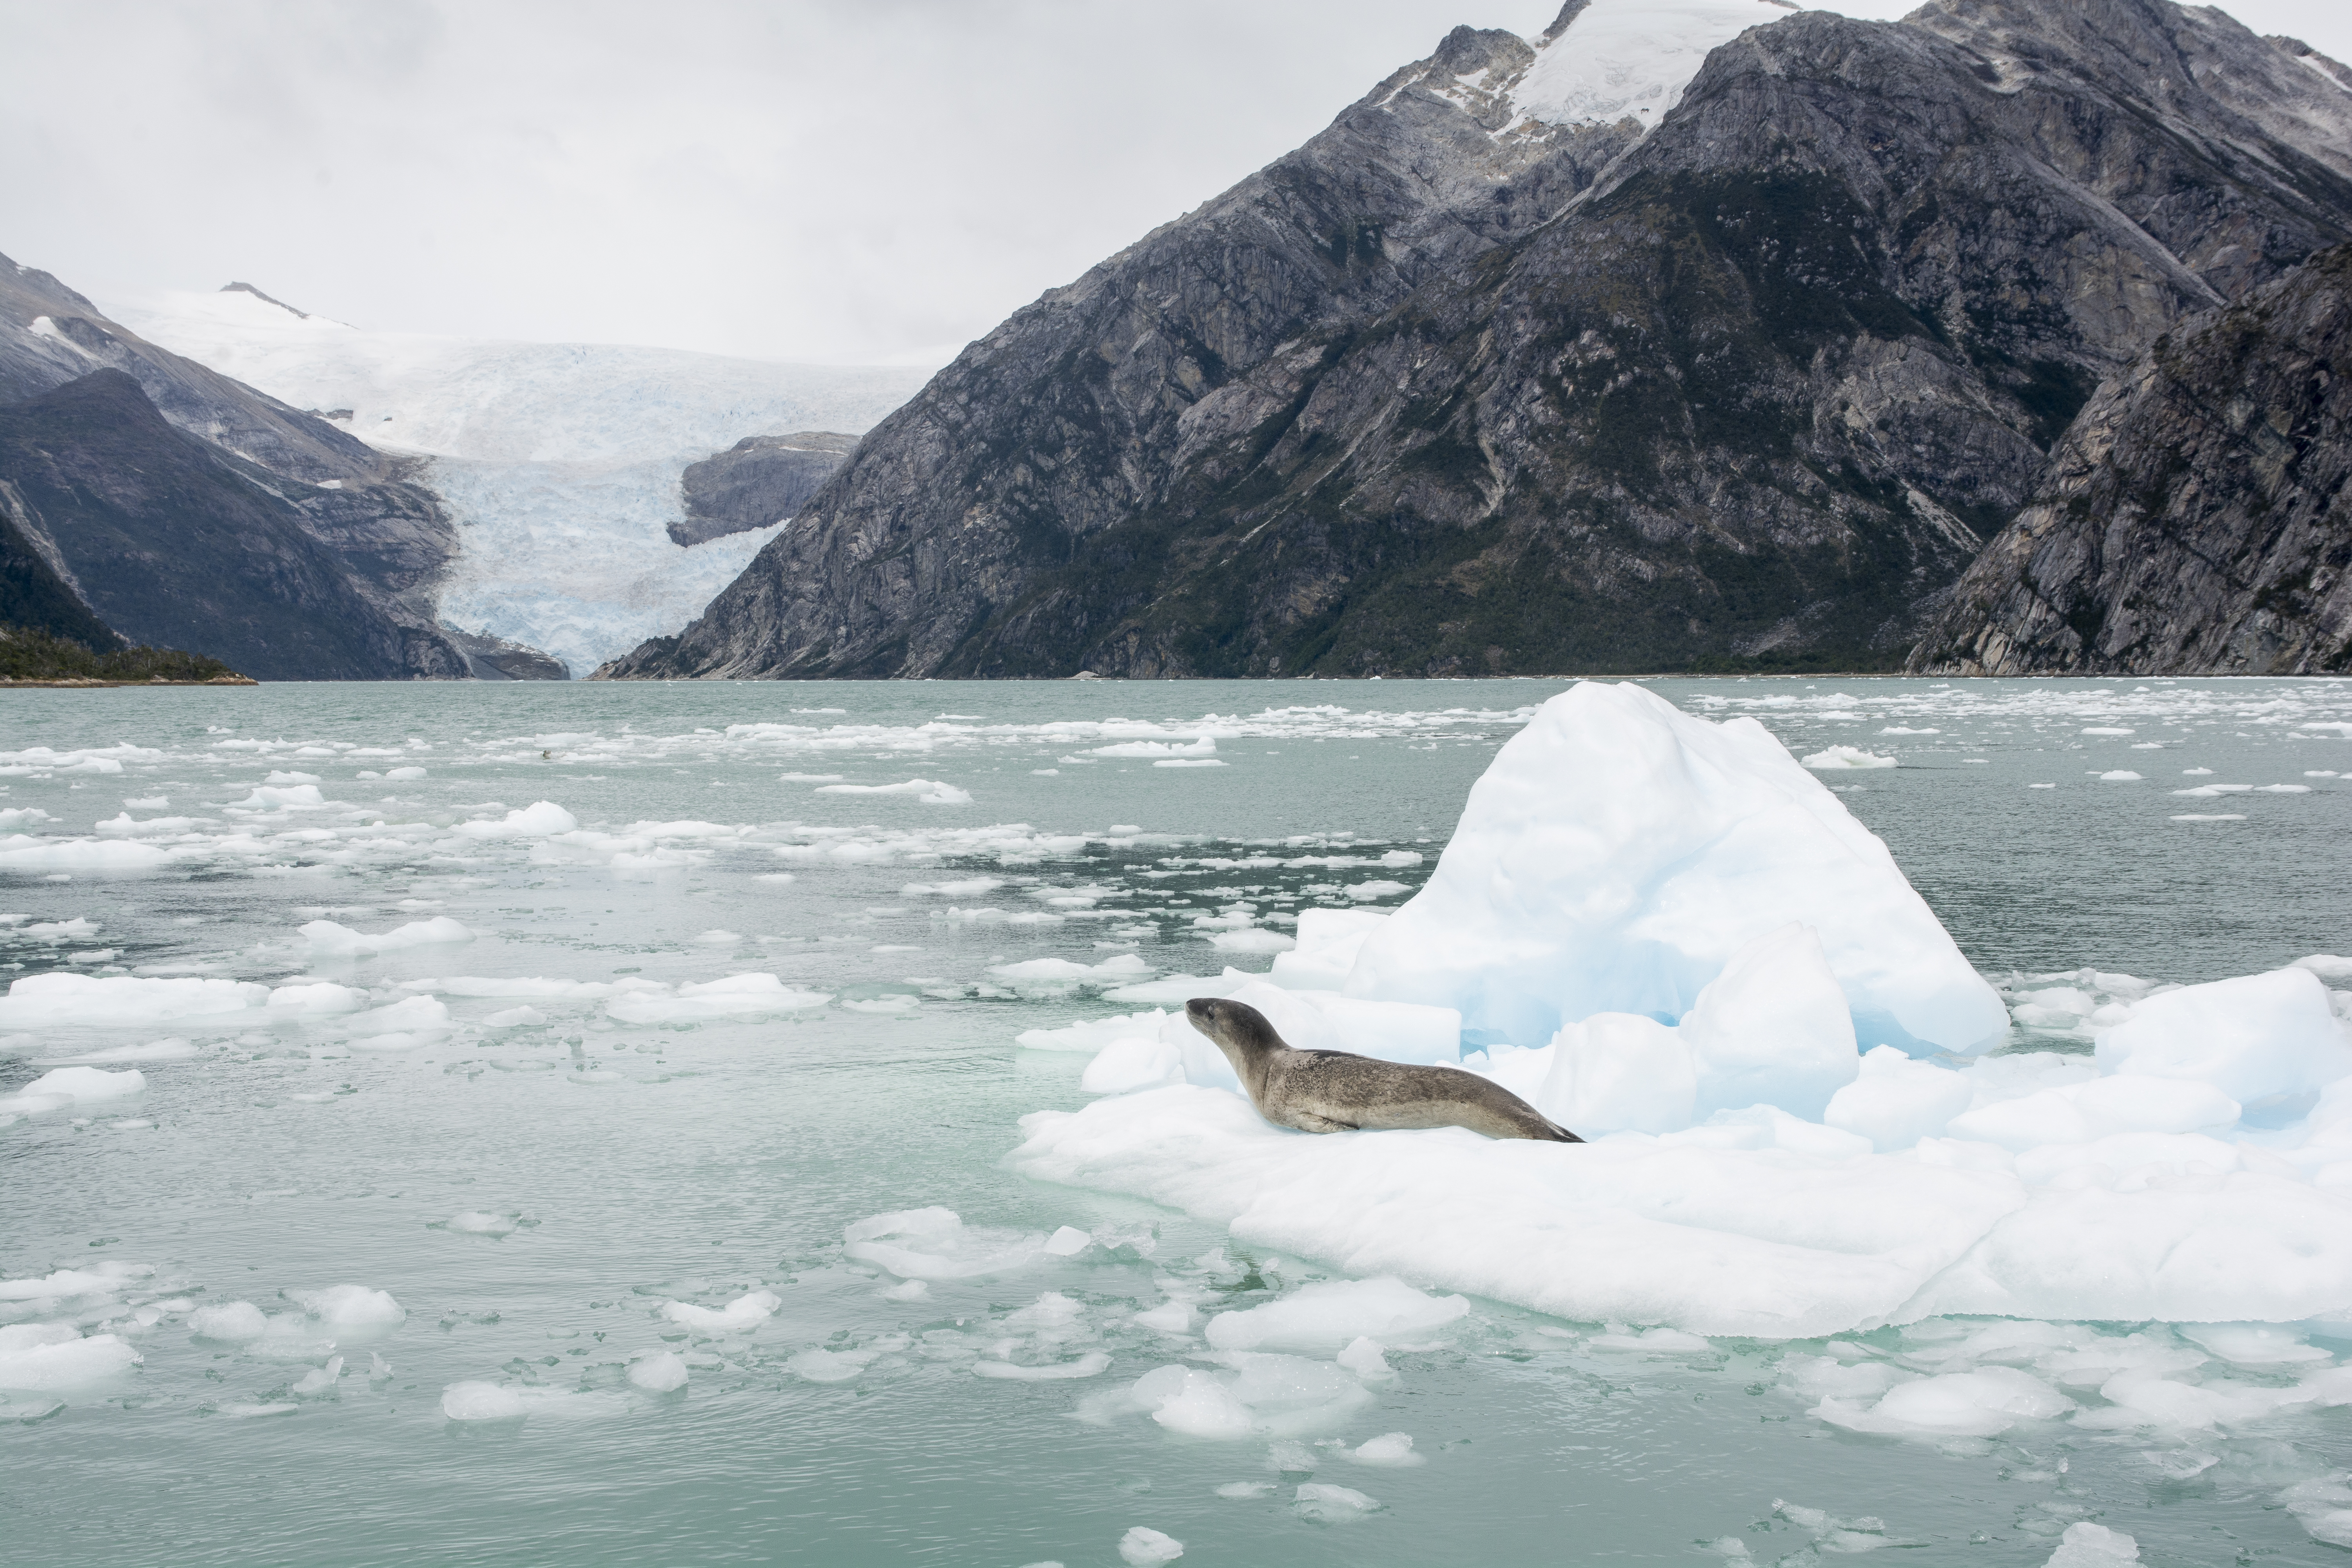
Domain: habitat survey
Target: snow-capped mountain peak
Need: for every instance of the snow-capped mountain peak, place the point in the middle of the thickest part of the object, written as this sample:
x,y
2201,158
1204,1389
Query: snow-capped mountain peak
x,y
1617,59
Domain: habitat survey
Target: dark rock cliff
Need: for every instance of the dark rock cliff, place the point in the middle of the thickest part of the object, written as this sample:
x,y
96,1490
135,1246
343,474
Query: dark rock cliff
x,y
172,542
760,480
1450,390
2197,518
385,535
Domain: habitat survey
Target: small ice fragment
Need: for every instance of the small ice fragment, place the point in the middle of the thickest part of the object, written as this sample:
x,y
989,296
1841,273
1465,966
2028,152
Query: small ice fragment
x,y
1323,1504
1390,1448
82,1085
1068,1242
318,1379
1290,1458
1090,1364
1142,1547
2119,775
1125,827
1334,1312
1364,1358
661,1372
1245,1489
348,1308
1168,1318
1839,757
476,1221
907,1290
2088,1545
828,1366
523,1017
379,1369
231,1322
746,1312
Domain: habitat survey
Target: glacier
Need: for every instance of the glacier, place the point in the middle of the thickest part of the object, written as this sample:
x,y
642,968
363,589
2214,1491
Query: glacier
x,y
559,463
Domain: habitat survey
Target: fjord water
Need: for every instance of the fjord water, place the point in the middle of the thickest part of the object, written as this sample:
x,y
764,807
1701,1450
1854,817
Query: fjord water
x,y
631,1163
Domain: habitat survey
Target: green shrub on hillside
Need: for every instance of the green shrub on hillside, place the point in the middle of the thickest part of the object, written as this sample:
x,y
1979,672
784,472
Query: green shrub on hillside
x,y
29,654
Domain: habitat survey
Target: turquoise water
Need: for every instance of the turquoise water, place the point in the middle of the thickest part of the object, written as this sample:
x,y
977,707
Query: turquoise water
x,y
698,1161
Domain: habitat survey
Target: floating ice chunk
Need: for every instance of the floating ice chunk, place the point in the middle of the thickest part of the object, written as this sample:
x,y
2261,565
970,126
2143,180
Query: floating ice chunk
x,y
283,776
318,1379
1979,1404
104,1280
352,1308
1363,1357
231,1322
540,819
1328,941
403,775
2119,775
1067,1242
1617,853
2285,789
935,1244
2081,1112
1052,974
1091,1365
1244,1491
1392,1449
1168,1318
719,939
1197,1403
929,791
968,888
2256,1038
1321,1504
748,1310
83,1086
1840,757
1141,1548
1896,1102
315,998
476,1221
120,1001
736,997
2326,965
1328,1314
1365,892
411,1015
293,797
2324,1506
2088,1545
829,1366
2107,730
1253,938
329,939
658,1371
522,1017
70,1361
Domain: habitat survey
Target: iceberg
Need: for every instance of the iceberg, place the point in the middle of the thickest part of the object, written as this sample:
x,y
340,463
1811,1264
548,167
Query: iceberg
x,y
1617,855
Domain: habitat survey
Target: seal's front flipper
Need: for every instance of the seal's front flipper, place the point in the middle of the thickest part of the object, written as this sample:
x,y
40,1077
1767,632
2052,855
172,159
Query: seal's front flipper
x,y
1307,1121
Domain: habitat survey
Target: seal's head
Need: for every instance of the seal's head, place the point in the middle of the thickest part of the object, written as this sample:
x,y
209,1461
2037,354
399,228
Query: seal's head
x,y
1240,1030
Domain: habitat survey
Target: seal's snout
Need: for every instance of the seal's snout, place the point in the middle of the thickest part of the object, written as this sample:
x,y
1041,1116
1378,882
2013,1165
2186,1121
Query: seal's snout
x,y
1202,1011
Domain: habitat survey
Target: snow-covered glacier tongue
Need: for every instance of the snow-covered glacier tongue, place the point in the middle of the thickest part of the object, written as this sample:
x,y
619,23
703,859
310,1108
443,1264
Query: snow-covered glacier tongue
x,y
1667,934
560,463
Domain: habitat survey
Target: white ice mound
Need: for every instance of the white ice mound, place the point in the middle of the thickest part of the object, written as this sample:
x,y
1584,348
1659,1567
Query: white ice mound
x,y
1617,853
2257,1039
45,1357
329,940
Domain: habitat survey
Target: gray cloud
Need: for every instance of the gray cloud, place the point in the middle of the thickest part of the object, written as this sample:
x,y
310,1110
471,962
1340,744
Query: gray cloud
x,y
823,181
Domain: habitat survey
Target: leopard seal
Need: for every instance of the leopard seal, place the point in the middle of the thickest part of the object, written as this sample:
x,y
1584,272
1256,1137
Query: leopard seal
x,y
1336,1092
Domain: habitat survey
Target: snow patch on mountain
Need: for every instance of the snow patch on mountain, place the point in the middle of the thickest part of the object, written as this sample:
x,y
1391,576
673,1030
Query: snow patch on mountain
x,y
1631,58
559,462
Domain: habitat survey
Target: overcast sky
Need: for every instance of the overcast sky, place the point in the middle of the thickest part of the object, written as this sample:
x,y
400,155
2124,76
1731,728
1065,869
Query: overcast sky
x,y
848,180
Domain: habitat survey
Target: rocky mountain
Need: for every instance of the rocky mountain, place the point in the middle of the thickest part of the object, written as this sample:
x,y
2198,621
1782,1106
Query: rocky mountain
x,y
558,467
2197,519
758,482
186,508
1711,337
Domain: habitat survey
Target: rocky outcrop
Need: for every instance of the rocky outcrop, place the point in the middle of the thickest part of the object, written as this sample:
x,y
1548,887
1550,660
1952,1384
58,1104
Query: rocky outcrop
x,y
759,481
489,658
1454,389
2198,519
368,520
172,542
